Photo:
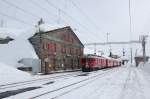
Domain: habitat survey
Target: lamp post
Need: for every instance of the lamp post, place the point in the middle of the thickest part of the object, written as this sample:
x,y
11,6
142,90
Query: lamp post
x,y
107,37
101,52
143,39
110,53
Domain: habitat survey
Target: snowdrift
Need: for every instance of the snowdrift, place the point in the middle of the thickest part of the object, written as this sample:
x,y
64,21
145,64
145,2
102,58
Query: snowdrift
x,y
20,47
145,68
17,49
9,74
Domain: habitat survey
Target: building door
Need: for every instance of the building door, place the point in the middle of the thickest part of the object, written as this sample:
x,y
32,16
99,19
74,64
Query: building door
x,y
46,67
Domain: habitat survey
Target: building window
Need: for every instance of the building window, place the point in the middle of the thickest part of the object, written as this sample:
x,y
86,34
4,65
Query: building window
x,y
68,36
72,40
68,50
63,37
49,46
81,52
52,47
77,51
63,50
72,51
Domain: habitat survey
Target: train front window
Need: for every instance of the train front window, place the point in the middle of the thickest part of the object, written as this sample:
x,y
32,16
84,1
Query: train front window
x,y
83,60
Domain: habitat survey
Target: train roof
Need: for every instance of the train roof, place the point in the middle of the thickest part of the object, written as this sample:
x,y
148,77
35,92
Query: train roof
x,y
103,57
91,55
107,57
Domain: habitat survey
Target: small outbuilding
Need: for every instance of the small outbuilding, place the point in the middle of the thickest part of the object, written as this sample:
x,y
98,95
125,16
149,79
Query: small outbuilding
x,y
140,59
5,40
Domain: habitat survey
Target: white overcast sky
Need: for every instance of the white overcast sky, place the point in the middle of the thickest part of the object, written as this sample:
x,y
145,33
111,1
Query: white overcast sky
x,y
100,17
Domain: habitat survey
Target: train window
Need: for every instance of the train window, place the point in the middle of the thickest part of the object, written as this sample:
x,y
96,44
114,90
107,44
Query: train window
x,y
90,59
83,60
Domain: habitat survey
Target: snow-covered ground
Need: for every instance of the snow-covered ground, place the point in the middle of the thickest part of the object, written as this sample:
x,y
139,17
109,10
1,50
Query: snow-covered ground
x,y
126,82
9,74
118,83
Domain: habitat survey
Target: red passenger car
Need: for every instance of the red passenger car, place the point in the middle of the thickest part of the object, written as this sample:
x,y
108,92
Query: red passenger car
x,y
93,62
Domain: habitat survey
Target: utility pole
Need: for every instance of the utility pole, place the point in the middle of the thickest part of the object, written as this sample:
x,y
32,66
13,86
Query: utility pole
x,y
1,23
131,55
123,52
143,37
110,53
59,16
136,52
94,49
107,37
130,22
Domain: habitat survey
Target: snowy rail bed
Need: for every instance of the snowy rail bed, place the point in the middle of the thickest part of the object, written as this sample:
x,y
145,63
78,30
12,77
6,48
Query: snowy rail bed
x,y
64,83
118,83
38,80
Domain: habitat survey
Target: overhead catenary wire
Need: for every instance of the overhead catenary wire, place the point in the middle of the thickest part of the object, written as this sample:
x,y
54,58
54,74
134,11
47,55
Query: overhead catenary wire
x,y
130,20
21,9
48,12
72,18
89,19
86,16
44,9
130,27
16,19
69,16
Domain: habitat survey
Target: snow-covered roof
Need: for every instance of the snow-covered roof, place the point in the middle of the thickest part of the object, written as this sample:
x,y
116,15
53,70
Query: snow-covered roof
x,y
49,27
124,58
106,57
27,32
88,51
13,33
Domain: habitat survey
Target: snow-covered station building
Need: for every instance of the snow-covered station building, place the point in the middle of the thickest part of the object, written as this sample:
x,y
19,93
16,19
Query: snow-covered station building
x,y
58,49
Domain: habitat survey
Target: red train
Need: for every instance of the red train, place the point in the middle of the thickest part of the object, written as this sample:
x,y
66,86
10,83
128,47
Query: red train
x,y
93,62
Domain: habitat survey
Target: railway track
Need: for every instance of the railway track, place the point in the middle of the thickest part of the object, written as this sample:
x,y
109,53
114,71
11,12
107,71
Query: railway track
x,y
75,85
139,83
125,85
133,79
17,84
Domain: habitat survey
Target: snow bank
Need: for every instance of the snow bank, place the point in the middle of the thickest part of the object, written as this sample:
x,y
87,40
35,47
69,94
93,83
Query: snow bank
x,y
17,49
145,68
9,74
20,47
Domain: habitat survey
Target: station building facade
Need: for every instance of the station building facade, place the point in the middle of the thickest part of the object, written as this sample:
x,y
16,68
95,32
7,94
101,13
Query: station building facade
x,y
58,49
